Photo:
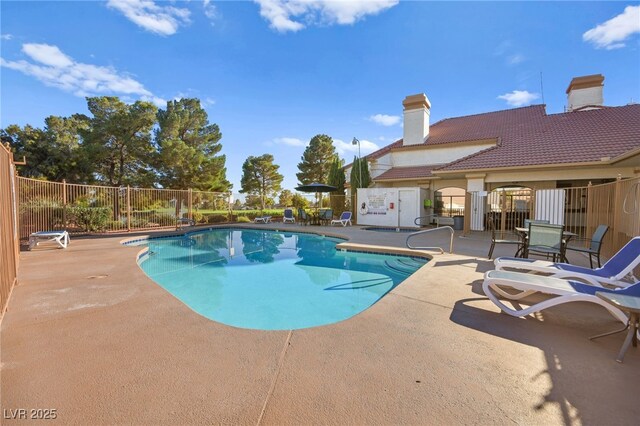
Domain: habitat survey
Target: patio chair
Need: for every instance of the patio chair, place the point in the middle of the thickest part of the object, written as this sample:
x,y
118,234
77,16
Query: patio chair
x,y
326,216
303,217
564,290
59,237
595,244
545,239
612,273
527,222
345,218
492,227
288,216
262,219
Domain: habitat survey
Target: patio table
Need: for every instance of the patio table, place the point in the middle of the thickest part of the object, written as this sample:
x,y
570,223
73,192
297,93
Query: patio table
x,y
524,232
630,305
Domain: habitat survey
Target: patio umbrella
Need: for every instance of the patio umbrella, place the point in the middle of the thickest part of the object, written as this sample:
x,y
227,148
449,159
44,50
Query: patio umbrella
x,y
317,188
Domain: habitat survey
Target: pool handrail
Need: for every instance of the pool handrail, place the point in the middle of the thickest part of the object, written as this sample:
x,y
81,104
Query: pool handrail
x,y
413,234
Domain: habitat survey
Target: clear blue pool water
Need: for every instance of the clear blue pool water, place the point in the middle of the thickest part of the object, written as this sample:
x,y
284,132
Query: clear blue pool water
x,y
272,280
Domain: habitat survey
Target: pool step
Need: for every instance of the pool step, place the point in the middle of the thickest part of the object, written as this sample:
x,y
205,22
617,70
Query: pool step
x,y
412,263
399,267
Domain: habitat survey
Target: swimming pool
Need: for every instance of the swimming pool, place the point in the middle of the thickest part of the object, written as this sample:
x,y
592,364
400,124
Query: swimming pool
x,y
272,280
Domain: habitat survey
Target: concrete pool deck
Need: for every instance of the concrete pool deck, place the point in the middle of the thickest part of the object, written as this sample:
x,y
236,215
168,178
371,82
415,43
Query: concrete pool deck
x,y
88,334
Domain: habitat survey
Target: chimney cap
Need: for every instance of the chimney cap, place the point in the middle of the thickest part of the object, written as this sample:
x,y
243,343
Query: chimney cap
x,y
586,82
416,102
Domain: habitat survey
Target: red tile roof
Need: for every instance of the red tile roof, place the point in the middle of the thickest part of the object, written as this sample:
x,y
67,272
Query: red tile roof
x,y
408,172
529,137
572,137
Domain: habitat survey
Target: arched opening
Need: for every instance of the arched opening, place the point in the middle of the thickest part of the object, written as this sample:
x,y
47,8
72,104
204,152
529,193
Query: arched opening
x,y
509,206
449,202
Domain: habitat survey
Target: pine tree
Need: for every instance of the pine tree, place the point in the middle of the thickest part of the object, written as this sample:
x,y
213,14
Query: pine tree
x,y
316,160
260,178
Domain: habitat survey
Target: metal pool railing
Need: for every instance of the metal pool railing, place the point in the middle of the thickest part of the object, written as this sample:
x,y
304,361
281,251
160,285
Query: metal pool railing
x,y
414,234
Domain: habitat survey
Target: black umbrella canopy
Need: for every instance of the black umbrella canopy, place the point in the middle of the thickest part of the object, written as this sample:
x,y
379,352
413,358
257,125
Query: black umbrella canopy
x,y
316,187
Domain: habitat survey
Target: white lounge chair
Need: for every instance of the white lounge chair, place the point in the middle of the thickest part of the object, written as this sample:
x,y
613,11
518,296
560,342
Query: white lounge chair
x,y
262,219
613,272
288,216
564,290
345,218
59,237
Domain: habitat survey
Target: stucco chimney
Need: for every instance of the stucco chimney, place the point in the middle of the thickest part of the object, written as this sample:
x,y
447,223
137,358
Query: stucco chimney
x,y
585,91
417,109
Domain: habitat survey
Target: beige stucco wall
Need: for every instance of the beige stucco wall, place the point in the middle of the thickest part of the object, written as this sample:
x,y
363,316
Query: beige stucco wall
x,y
407,158
380,165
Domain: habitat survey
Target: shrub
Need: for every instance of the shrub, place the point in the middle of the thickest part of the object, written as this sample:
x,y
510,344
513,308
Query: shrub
x,y
216,218
198,217
243,219
163,219
90,219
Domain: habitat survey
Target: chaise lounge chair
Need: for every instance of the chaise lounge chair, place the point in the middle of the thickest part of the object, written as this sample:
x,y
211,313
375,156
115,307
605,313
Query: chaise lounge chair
x,y
262,219
288,216
59,237
564,290
345,218
612,273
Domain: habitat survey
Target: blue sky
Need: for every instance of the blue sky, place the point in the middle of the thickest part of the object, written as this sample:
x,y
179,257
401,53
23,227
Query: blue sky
x,y
273,73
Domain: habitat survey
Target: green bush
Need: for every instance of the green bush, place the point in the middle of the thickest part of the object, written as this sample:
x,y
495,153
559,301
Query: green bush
x,y
162,219
90,219
198,217
243,219
216,218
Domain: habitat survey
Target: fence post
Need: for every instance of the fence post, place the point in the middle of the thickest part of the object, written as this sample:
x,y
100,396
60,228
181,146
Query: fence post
x,y
503,215
617,203
190,204
589,211
64,204
128,208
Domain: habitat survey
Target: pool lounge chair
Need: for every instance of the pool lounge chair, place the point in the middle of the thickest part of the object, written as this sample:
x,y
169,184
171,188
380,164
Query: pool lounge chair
x,y
262,219
612,273
345,218
59,237
564,290
288,216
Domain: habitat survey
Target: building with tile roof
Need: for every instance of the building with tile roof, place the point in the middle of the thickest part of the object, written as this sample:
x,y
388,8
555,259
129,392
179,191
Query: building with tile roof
x,y
519,147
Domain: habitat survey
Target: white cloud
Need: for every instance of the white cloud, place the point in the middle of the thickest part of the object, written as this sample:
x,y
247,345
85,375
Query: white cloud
x,y
210,10
6,36
56,69
289,141
385,120
47,54
515,59
347,149
519,97
611,34
285,15
162,20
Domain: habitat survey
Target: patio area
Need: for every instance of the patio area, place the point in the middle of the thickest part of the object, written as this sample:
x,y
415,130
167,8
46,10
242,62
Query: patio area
x,y
88,334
